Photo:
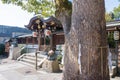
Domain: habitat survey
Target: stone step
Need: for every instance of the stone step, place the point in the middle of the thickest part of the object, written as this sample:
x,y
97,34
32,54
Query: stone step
x,y
32,58
30,55
28,61
41,56
38,55
28,64
32,62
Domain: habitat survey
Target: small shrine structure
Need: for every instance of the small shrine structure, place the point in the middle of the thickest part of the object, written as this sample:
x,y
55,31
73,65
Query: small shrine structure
x,y
48,32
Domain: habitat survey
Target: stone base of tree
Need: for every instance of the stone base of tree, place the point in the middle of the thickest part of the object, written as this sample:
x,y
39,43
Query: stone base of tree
x,y
51,66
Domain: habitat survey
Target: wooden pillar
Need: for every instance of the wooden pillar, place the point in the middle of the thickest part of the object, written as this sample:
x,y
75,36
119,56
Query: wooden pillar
x,y
44,43
118,55
33,41
39,40
27,39
22,40
36,60
51,42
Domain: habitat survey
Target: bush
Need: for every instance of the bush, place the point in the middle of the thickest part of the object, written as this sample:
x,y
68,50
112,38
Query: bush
x,y
23,51
111,41
59,58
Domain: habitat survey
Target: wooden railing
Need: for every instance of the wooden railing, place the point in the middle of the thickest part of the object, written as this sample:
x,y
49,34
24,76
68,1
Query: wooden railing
x,y
36,62
36,59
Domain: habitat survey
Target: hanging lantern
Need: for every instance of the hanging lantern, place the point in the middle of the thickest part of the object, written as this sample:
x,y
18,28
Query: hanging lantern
x,y
32,27
37,21
116,35
34,34
47,32
52,22
44,25
39,27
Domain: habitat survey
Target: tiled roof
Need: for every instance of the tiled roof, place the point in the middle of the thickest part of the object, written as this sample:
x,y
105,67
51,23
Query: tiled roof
x,y
114,25
5,35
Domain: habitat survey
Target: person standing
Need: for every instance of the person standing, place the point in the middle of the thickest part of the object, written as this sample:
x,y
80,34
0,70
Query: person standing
x,y
11,52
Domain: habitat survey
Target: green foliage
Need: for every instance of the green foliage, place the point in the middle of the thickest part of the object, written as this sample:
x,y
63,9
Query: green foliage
x,y
109,17
2,49
117,12
62,6
43,7
59,58
112,15
111,41
23,51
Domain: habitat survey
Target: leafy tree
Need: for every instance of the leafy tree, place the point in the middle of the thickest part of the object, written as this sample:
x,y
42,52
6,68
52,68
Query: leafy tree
x,y
115,15
44,7
63,13
109,17
116,12
60,8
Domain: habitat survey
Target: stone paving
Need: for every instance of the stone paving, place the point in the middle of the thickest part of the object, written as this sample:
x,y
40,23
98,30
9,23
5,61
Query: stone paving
x,y
116,78
13,70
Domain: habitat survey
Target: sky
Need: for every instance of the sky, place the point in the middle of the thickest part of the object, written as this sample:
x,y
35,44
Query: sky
x,y
12,15
110,4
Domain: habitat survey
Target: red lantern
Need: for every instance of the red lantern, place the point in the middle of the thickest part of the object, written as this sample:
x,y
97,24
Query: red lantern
x,y
34,34
47,32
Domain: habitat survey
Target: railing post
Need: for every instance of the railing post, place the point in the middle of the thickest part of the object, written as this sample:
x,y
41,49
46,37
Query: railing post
x,y
36,60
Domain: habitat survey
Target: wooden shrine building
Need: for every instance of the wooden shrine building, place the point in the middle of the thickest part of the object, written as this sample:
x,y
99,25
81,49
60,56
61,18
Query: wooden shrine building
x,y
114,28
46,32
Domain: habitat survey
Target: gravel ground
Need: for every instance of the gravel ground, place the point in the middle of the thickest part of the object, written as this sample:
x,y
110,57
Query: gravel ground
x,y
23,72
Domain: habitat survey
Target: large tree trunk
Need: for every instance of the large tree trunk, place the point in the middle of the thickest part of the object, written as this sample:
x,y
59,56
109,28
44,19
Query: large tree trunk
x,y
88,29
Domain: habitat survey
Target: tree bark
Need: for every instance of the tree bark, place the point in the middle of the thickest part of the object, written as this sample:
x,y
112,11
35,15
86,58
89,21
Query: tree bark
x,y
89,30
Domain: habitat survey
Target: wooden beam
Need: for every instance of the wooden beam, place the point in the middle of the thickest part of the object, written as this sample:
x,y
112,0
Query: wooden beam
x,y
51,42
39,40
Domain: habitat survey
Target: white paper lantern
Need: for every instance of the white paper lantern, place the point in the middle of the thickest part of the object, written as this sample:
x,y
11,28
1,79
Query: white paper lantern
x,y
116,35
